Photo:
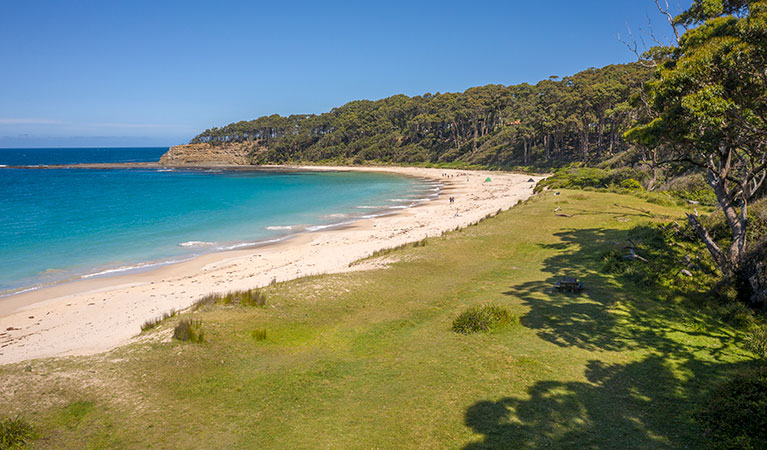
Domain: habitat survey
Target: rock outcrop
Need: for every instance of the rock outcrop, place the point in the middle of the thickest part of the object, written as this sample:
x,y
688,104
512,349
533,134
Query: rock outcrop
x,y
208,155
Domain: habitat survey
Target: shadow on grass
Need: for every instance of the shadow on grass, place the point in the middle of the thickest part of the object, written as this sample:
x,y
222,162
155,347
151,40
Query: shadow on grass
x,y
676,355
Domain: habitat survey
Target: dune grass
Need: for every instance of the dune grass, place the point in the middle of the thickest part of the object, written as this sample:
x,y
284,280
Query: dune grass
x,y
369,359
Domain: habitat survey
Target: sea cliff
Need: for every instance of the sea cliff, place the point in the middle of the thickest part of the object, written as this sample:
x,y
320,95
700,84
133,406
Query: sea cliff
x,y
208,155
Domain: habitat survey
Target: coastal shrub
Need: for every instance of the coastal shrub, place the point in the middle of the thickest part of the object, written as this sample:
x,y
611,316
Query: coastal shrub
x,y
151,323
189,330
691,187
631,184
258,334
15,433
483,318
756,341
735,413
593,178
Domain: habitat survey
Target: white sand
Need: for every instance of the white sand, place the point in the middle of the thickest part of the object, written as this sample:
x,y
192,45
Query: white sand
x,y
95,315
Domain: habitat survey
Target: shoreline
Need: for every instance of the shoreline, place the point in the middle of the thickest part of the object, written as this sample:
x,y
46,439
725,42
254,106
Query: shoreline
x,y
94,315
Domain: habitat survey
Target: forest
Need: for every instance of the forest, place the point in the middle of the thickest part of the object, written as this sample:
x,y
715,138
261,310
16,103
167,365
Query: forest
x,y
558,120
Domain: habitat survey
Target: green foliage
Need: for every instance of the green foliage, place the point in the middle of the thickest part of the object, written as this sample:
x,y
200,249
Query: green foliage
x,y
735,415
756,341
258,334
692,187
590,177
15,433
631,184
662,252
757,224
483,318
151,323
580,117
189,330
736,313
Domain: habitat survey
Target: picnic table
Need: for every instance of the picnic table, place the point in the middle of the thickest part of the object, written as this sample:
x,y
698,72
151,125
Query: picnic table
x,y
569,284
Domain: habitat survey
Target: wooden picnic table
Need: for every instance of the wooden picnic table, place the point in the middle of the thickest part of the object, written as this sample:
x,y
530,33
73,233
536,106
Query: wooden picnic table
x,y
569,284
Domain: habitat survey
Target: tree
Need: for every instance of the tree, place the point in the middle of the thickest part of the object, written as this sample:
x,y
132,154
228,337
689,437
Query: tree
x,y
708,107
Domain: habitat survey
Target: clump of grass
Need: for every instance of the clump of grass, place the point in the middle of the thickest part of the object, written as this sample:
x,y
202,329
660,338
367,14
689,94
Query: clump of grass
x,y
189,330
735,415
15,433
483,318
756,341
252,297
151,323
207,300
258,334
736,313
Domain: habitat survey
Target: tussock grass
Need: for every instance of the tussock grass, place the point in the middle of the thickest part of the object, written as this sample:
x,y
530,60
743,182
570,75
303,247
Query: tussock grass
x,y
15,433
258,334
152,323
756,342
189,330
252,297
483,318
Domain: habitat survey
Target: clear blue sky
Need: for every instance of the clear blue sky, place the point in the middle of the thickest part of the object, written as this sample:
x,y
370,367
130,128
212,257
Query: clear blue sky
x,y
143,73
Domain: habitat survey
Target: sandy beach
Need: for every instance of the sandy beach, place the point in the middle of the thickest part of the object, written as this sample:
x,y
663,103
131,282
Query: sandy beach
x,y
94,315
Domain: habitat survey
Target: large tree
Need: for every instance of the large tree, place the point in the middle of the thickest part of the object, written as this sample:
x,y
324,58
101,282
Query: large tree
x,y
707,106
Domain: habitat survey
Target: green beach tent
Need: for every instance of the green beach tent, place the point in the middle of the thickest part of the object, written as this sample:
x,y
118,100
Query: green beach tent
x,y
487,179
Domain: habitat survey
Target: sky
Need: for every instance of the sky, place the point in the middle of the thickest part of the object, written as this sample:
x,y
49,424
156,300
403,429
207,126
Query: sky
x,y
156,73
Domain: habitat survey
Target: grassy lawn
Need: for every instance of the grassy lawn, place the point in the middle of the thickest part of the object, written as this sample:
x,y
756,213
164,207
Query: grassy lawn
x,y
368,359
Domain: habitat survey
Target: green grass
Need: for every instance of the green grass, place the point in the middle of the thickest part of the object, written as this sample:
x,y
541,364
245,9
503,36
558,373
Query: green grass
x,y
369,359
15,433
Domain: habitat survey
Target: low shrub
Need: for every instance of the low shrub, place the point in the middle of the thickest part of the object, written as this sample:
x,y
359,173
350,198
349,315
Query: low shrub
x,y
631,184
258,334
756,341
735,414
483,318
189,330
15,433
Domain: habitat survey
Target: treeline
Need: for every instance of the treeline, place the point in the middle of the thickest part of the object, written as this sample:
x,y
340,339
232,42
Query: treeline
x,y
576,118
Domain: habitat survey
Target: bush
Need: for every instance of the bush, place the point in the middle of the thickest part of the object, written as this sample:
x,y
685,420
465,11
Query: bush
x,y
692,187
631,184
735,415
189,330
483,318
756,341
15,433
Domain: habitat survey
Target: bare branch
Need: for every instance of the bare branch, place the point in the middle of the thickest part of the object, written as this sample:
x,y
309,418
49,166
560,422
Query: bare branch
x,y
665,9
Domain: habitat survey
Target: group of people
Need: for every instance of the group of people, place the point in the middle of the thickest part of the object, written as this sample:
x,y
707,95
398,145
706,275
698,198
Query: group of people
x,y
448,175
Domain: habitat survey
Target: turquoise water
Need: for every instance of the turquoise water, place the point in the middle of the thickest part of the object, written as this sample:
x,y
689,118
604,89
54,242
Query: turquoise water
x,y
61,224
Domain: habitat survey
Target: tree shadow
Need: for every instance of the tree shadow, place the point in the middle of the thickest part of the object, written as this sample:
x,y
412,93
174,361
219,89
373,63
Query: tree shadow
x,y
645,403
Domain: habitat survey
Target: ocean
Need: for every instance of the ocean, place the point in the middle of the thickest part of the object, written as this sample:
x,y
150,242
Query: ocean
x,y
64,224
